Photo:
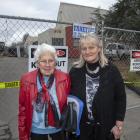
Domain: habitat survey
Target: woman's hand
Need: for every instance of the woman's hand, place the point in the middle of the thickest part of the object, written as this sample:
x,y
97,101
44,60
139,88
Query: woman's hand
x,y
117,130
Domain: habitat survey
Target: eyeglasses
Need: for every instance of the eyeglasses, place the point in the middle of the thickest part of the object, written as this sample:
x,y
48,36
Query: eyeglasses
x,y
45,62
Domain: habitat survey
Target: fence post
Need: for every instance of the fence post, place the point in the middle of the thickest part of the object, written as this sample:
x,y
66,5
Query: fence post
x,y
18,51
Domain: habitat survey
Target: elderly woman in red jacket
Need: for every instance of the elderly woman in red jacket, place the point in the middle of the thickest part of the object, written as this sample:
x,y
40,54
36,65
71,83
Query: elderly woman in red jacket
x,y
43,95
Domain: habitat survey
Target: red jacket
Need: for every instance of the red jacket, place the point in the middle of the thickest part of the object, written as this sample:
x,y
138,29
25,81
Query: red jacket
x,y
28,93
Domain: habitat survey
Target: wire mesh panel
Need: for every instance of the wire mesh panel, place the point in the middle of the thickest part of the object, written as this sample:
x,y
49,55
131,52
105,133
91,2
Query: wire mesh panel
x,y
118,44
16,35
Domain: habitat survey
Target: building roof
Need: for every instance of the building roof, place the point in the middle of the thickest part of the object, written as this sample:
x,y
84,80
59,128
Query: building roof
x,y
77,13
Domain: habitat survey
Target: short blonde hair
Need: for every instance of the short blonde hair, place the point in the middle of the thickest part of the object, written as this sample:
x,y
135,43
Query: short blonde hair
x,y
103,61
44,48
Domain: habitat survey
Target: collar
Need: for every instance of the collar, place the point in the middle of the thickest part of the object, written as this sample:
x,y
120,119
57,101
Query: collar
x,y
59,76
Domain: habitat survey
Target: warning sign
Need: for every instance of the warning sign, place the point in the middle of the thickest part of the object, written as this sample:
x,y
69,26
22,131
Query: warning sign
x,y
62,60
135,60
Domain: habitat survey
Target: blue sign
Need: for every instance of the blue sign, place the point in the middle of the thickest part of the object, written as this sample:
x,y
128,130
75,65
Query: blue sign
x,y
79,29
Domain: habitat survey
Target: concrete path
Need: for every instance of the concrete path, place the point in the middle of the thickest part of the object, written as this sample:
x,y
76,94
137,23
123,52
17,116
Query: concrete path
x,y
132,120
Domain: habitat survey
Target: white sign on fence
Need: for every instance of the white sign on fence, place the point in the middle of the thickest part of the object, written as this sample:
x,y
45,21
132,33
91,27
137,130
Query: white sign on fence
x,y
79,29
62,60
135,60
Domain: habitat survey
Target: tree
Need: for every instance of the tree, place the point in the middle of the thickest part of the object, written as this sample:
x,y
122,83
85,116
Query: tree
x,y
124,14
25,36
97,17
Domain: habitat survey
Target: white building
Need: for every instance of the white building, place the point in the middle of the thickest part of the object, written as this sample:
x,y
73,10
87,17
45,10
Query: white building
x,y
69,13
55,36
77,13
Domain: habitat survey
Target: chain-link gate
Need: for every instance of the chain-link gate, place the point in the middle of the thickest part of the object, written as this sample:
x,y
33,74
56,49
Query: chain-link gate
x,y
118,44
18,33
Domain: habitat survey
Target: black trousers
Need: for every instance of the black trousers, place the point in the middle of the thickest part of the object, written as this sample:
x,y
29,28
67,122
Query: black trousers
x,y
55,136
88,132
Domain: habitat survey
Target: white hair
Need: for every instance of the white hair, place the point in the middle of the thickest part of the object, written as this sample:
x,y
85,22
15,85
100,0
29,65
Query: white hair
x,y
44,48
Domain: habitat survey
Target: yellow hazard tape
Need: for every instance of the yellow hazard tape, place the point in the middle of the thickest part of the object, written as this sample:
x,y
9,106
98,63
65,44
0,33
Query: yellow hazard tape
x,y
16,84
133,83
13,84
127,82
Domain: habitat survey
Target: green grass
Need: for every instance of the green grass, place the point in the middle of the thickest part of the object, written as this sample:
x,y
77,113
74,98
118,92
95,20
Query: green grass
x,y
130,78
133,78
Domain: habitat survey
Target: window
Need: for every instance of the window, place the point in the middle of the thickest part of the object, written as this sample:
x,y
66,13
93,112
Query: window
x,y
35,43
121,47
2,45
57,41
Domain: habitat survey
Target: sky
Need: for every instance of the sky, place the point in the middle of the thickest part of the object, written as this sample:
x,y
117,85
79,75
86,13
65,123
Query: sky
x,y
45,9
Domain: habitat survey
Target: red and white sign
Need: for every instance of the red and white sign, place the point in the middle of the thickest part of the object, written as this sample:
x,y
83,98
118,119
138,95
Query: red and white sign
x,y
135,54
61,52
135,60
62,57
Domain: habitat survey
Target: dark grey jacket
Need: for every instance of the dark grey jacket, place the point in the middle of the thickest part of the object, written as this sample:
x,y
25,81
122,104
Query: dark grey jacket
x,y
109,102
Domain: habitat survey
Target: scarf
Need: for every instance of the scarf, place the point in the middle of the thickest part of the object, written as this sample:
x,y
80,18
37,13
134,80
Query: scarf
x,y
45,99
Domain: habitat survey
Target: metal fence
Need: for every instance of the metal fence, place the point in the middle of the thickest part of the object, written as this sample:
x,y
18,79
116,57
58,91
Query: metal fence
x,y
118,44
18,33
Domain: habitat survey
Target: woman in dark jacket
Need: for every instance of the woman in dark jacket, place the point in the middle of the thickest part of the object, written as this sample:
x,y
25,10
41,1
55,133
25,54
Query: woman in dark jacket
x,y
100,86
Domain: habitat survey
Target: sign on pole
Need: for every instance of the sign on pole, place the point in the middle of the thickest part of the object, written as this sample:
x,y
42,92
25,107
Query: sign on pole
x,y
79,29
62,60
135,60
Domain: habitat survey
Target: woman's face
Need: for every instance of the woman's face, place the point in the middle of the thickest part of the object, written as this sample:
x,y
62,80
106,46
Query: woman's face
x,y
47,64
90,50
